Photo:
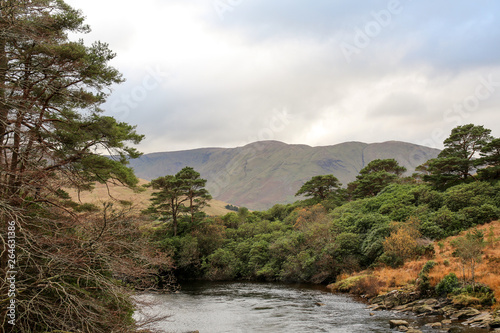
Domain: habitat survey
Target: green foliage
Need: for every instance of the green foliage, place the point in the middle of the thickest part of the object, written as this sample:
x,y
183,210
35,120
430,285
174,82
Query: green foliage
x,y
178,195
86,207
474,295
52,134
320,187
374,177
423,285
231,207
447,285
455,164
305,242
222,264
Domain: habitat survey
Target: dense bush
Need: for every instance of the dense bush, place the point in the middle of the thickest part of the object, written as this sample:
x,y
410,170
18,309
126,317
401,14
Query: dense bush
x,y
301,243
447,285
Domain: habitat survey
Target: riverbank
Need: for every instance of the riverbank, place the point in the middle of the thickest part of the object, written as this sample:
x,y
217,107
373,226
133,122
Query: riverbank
x,y
444,310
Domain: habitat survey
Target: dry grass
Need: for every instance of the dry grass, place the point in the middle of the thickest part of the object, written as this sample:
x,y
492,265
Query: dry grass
x,y
487,271
140,200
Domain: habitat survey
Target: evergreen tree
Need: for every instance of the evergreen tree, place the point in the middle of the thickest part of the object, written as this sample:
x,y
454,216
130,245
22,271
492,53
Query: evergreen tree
x,y
51,130
456,163
179,194
374,177
320,187
196,193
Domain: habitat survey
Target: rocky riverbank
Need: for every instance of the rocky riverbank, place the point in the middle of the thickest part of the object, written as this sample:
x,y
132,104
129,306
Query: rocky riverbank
x,y
443,309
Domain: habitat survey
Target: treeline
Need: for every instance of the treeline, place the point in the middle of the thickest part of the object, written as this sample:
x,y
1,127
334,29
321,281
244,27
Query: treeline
x,y
304,243
382,218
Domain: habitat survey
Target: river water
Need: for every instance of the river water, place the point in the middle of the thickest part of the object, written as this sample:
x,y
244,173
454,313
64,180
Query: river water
x,y
267,307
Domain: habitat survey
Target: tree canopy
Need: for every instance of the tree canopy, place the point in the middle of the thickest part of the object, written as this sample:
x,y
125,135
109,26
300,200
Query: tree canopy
x,y
374,177
320,187
176,195
467,148
53,135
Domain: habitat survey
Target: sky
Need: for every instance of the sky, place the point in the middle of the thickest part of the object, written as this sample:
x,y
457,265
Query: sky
x,y
225,73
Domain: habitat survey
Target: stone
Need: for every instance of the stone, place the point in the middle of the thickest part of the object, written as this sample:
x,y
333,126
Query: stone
x,y
434,325
422,308
396,323
465,313
484,317
446,322
495,323
431,301
403,329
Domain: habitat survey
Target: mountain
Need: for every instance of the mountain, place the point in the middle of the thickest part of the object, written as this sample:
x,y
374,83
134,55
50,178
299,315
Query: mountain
x,y
265,173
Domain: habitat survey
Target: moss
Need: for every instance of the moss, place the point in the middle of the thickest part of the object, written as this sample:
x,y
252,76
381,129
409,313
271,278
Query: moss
x,y
346,285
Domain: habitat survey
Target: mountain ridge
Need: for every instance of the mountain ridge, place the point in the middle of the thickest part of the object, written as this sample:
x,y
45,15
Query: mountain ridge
x,y
263,173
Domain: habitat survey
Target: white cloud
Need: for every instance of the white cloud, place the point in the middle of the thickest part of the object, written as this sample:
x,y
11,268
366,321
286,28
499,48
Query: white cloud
x,y
219,81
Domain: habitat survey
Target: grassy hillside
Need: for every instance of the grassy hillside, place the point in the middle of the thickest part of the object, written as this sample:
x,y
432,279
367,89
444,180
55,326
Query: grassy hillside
x,y
487,271
140,200
262,174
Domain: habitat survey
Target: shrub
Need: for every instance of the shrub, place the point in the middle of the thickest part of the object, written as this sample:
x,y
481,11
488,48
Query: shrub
x,y
423,285
474,294
221,265
449,283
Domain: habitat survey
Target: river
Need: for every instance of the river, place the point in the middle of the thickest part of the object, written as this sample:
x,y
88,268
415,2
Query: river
x,y
267,307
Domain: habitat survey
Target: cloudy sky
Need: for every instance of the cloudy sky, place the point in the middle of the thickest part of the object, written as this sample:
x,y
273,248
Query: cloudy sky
x,y
224,73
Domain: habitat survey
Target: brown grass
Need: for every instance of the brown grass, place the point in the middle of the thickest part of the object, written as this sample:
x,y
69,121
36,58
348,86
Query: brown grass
x,y
487,272
140,200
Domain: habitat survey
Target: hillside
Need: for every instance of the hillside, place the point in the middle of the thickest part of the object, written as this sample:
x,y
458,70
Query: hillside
x,y
487,270
265,173
140,200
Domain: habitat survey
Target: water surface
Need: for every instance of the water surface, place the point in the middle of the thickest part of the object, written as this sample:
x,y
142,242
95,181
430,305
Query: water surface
x,y
268,307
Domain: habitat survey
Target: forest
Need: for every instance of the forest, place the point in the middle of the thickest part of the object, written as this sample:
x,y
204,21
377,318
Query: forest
x,y
74,267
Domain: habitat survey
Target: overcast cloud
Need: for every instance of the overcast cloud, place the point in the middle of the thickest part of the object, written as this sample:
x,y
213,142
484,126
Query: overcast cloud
x,y
224,73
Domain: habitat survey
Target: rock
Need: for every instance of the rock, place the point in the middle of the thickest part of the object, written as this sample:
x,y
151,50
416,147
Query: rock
x,y
431,301
495,322
403,329
422,308
465,313
372,314
446,322
448,310
434,325
396,323
319,304
404,307
414,330
481,320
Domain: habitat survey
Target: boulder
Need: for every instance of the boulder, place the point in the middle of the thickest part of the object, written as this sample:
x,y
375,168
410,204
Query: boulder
x,y
422,308
434,325
465,313
397,323
482,320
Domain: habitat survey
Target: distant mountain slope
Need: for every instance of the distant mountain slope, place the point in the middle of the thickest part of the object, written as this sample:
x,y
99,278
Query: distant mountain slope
x,y
264,173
